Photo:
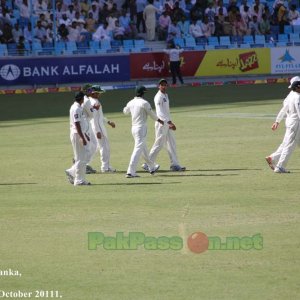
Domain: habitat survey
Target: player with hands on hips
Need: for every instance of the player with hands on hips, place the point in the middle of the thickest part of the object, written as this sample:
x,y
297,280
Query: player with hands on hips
x,y
80,141
140,109
164,135
291,109
99,129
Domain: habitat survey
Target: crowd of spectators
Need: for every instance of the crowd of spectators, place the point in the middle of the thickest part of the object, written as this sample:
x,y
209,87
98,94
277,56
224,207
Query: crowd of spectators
x,y
72,20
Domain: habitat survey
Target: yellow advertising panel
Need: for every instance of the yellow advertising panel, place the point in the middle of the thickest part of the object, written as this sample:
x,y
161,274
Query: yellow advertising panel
x,y
235,62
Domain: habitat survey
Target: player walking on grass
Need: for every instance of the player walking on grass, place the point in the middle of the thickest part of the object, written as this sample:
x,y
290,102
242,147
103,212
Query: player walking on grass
x,y
291,109
88,110
164,133
139,109
80,141
99,129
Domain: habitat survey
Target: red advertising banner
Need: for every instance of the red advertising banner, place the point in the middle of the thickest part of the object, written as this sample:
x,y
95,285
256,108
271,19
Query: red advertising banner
x,y
155,65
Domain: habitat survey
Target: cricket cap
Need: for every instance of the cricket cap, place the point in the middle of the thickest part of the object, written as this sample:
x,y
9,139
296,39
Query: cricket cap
x,y
140,90
86,87
163,80
79,96
97,89
296,78
296,84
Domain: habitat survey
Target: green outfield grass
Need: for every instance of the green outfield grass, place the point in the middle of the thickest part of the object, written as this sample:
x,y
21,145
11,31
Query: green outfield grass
x,y
223,134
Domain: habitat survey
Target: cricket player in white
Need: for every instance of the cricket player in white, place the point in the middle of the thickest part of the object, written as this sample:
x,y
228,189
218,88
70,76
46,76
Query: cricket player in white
x,y
76,174
139,109
278,160
99,130
88,110
164,135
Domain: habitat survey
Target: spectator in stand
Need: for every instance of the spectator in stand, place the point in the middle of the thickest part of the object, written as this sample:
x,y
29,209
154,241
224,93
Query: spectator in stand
x,y
264,25
63,32
111,20
227,26
90,23
242,6
140,6
40,6
124,19
254,26
173,31
5,18
220,7
59,10
256,12
133,33
21,46
25,10
246,14
219,26
71,12
177,12
85,7
74,33
232,5
220,17
79,18
7,36
232,14
281,16
49,33
240,28
257,9
65,20
119,31
188,7
43,20
95,12
17,32
76,5
197,11
208,28
102,33
104,13
163,24
293,14
195,29
183,25
40,32
149,16
28,33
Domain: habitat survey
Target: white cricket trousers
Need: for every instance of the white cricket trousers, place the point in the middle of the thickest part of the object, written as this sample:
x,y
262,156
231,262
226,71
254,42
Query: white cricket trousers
x,y
92,146
140,148
104,148
164,137
81,154
286,148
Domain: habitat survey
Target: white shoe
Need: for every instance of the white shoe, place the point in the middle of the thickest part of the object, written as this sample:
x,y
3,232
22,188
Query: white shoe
x,y
156,167
70,177
145,167
131,175
83,183
281,170
109,170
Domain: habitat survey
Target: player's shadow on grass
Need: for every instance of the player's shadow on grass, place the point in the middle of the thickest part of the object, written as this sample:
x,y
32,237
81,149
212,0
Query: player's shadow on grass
x,y
196,175
18,183
136,183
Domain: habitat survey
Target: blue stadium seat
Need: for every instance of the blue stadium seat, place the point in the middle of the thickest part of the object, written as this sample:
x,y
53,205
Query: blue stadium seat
x,y
139,44
190,42
260,39
236,40
71,48
60,48
3,50
213,40
283,37
115,44
245,45
296,28
179,42
248,39
201,41
105,44
288,29
294,37
225,41
128,45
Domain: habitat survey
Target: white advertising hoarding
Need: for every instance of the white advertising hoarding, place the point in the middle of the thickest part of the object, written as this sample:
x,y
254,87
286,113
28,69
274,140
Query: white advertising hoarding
x,y
285,60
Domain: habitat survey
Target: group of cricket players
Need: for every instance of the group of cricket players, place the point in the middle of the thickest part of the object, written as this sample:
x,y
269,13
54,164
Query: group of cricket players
x,y
88,133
